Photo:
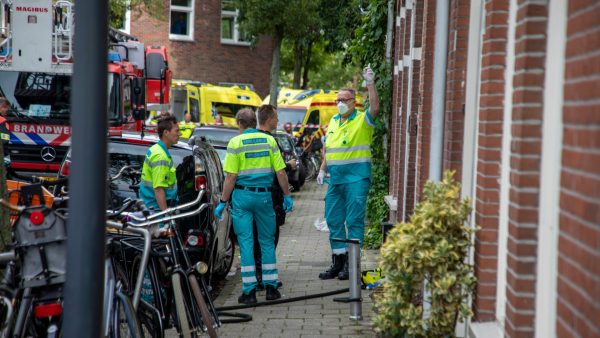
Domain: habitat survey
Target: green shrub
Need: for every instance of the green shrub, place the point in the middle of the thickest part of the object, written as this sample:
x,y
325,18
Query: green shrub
x,y
425,261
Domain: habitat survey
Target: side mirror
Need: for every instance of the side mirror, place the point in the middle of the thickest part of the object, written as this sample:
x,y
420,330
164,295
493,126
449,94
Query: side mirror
x,y
192,141
139,114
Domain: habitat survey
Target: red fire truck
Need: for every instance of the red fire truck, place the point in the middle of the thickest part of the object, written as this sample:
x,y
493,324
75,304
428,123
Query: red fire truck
x,y
36,63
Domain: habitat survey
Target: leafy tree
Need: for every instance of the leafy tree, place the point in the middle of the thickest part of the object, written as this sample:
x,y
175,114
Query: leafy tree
x,y
279,19
118,8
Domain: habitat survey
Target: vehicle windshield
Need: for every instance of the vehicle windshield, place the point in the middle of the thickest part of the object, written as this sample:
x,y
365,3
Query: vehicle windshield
x,y
285,143
216,135
121,154
295,116
39,96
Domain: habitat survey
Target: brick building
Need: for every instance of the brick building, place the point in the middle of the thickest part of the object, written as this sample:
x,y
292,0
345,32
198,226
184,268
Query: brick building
x,y
205,44
510,100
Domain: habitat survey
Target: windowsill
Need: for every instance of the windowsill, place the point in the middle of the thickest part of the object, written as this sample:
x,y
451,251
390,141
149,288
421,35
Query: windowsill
x,y
235,43
185,38
487,330
391,202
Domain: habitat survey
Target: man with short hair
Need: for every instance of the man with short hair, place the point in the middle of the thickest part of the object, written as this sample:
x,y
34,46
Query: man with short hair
x,y
158,188
187,126
348,160
252,158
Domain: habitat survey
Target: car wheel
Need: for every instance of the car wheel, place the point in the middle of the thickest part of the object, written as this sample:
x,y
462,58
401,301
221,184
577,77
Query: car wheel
x,y
221,268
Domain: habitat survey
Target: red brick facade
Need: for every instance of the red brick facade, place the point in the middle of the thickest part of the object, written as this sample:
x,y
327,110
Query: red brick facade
x,y
510,120
578,304
206,58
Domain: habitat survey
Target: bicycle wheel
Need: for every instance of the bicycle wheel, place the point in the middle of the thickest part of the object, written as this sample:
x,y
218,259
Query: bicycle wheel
x,y
184,324
124,320
150,320
207,319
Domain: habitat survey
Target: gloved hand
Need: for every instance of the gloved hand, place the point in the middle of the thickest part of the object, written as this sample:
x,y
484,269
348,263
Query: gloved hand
x,y
287,203
368,75
321,177
219,210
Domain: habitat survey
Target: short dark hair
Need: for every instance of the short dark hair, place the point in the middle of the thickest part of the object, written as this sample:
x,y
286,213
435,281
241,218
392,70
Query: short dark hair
x,y
246,118
265,112
4,102
352,91
165,122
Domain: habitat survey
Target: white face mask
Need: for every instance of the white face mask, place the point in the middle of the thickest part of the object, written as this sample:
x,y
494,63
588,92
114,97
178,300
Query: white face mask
x,y
342,108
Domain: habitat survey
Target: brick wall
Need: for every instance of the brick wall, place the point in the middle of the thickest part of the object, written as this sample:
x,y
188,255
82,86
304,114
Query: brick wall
x,y
528,90
578,285
487,200
458,36
206,58
425,98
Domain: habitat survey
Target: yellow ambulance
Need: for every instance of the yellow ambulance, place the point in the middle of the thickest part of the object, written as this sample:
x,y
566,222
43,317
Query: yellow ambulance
x,y
205,101
307,110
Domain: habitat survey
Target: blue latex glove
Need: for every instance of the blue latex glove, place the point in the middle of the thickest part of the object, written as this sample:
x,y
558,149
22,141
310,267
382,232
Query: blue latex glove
x,y
287,203
219,210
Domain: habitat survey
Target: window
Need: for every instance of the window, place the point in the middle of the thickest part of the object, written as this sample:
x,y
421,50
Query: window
x,y
230,31
182,20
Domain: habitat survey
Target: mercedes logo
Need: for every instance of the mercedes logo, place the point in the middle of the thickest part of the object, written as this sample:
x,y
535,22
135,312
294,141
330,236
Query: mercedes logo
x,y
48,154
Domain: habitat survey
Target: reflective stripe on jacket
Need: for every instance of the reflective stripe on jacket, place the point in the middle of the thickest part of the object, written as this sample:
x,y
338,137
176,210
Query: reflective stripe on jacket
x,y
158,172
254,157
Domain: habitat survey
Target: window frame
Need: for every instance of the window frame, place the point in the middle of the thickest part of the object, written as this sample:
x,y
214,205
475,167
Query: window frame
x,y
236,29
190,10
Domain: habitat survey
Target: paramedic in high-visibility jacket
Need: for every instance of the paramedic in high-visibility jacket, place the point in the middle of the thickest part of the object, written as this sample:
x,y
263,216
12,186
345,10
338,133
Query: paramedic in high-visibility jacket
x,y
251,161
348,160
158,187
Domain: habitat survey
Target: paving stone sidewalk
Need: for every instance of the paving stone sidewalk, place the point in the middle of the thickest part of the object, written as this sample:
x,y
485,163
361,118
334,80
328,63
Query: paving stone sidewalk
x,y
302,253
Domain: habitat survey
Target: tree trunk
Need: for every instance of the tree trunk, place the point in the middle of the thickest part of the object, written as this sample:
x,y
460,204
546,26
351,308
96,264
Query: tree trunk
x,y
298,59
306,65
275,63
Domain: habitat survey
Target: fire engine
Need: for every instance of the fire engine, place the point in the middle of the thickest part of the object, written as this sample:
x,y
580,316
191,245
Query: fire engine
x,y
36,63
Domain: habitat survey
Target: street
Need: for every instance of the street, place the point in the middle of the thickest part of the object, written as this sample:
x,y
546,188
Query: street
x,y
302,253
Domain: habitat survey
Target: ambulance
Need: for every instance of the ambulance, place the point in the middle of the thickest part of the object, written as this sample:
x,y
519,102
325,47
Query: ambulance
x,y
205,101
307,110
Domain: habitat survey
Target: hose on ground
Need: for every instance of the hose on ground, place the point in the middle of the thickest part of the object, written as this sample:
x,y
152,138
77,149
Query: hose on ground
x,y
246,318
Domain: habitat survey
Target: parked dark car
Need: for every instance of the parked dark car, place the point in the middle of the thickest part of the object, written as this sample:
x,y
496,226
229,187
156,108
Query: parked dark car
x,y
197,167
218,137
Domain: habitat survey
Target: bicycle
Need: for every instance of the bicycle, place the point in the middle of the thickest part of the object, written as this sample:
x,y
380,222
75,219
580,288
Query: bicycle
x,y
178,289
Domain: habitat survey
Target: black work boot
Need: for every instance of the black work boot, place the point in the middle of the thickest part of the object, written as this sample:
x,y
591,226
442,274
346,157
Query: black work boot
x,y
337,264
344,274
272,292
247,298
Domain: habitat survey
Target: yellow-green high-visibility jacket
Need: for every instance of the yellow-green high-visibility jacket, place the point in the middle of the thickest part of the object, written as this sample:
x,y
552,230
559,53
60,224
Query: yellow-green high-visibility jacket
x,y
186,128
158,172
254,157
348,147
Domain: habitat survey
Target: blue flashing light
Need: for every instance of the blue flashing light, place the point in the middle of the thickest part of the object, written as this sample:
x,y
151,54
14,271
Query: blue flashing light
x,y
114,57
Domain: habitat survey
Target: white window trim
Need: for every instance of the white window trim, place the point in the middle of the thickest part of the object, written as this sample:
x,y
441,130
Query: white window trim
x,y
236,29
127,24
191,19
547,267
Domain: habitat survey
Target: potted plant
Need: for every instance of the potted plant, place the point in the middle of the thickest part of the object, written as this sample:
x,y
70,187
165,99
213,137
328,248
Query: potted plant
x,y
428,277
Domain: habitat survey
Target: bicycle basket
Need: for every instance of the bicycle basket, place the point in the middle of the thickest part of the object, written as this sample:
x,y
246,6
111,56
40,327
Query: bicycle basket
x,y
40,238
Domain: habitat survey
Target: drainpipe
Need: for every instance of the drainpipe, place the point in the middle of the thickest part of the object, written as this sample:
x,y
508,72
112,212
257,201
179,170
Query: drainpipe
x,y
439,90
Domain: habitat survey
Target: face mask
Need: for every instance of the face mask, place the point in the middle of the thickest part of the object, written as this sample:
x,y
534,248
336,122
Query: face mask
x,y
342,108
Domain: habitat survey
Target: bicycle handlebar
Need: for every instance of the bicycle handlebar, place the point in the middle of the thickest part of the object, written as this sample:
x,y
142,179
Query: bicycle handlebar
x,y
7,256
167,211
134,169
